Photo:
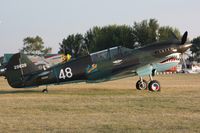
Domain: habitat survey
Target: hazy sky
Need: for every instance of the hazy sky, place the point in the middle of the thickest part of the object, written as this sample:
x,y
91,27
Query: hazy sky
x,y
54,20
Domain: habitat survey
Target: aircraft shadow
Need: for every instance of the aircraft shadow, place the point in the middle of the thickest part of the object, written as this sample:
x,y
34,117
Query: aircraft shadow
x,y
20,92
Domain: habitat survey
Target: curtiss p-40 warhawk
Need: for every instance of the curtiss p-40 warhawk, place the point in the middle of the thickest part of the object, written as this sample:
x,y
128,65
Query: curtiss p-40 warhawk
x,y
109,64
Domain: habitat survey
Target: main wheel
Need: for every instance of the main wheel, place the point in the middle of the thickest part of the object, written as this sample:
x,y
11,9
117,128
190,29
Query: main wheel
x,y
45,91
154,85
141,85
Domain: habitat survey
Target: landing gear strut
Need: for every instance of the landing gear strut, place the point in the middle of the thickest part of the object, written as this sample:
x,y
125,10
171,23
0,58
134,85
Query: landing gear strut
x,y
152,85
45,90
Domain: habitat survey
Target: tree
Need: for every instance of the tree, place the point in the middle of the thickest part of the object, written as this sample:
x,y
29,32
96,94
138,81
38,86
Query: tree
x,y
148,31
73,45
145,32
166,32
34,45
196,48
99,38
91,38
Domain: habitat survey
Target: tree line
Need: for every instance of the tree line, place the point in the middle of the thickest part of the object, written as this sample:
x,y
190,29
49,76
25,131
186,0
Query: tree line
x,y
99,38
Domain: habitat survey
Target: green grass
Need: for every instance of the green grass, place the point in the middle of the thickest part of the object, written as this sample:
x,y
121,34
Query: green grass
x,y
106,107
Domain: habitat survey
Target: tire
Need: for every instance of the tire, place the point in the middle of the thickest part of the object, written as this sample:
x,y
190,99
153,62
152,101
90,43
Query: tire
x,y
141,86
45,91
154,86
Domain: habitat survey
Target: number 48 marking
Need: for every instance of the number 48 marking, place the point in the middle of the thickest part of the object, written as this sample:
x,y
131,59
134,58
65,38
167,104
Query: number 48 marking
x,y
65,73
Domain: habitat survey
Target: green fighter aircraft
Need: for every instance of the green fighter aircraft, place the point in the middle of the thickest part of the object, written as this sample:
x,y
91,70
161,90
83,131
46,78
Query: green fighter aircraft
x,y
110,64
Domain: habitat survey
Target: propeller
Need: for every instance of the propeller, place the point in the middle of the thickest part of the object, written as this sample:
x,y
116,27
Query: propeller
x,y
184,38
183,62
183,50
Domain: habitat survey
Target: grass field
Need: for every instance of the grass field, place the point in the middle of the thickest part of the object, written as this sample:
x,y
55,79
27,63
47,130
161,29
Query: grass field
x,y
105,107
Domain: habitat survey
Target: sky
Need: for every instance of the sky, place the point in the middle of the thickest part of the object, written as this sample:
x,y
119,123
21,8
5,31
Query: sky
x,y
54,20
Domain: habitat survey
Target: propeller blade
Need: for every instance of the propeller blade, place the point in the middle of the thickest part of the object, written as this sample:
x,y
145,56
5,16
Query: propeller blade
x,y
184,38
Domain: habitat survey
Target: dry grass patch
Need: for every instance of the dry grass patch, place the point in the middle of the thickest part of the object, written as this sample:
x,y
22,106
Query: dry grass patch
x,y
114,106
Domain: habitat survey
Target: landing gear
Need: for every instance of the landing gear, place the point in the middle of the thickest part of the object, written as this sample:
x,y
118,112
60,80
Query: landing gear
x,y
141,84
152,85
45,90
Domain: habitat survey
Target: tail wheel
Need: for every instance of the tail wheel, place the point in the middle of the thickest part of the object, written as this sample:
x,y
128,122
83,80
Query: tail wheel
x,y
154,86
141,85
45,90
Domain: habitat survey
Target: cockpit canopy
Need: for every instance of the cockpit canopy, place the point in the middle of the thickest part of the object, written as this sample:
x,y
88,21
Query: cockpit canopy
x,y
110,54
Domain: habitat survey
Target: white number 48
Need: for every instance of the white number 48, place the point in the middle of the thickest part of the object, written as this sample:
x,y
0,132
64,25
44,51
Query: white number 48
x,y
65,73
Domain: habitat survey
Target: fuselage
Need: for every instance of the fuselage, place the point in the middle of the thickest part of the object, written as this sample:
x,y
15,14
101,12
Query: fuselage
x,y
109,64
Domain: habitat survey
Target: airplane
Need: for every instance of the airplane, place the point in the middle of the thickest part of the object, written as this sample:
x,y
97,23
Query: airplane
x,y
109,64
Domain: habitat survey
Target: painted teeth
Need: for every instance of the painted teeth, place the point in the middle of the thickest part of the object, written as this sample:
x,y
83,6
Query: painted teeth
x,y
172,59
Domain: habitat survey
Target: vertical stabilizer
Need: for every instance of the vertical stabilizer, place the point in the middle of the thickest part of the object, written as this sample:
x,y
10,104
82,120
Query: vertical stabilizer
x,y
19,68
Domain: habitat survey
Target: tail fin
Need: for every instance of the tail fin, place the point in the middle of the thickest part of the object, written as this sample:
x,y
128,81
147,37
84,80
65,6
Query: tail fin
x,y
18,68
7,57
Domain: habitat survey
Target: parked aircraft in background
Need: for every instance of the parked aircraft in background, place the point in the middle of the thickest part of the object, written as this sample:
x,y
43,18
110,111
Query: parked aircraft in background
x,y
109,64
